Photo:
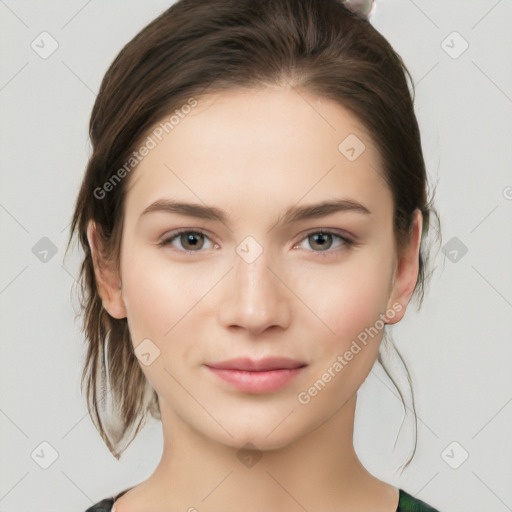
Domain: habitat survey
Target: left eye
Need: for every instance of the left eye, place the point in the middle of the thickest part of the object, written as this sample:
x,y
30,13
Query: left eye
x,y
324,240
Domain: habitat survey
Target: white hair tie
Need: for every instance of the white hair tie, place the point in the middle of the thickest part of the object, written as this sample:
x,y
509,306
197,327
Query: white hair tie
x,y
363,8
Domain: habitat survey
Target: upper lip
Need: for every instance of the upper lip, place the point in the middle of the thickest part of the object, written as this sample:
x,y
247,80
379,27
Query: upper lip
x,y
258,365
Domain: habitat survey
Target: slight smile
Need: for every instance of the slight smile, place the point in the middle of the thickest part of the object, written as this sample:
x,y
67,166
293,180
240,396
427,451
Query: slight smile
x,y
257,376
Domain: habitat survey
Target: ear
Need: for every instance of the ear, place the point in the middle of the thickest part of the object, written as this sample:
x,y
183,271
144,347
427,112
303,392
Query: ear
x,y
406,270
108,281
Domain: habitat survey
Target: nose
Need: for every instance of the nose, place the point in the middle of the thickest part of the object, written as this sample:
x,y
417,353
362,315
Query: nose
x,y
254,296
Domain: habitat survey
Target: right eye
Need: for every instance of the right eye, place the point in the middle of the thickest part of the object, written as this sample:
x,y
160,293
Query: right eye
x,y
190,240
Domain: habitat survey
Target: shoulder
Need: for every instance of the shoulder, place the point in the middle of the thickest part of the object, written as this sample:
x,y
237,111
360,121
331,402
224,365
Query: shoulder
x,y
107,504
102,506
408,503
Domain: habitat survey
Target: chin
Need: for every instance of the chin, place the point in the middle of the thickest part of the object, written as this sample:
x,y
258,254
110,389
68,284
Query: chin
x,y
262,437
259,442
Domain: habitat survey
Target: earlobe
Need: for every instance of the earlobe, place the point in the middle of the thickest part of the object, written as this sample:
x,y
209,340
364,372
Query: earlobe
x,y
107,277
406,271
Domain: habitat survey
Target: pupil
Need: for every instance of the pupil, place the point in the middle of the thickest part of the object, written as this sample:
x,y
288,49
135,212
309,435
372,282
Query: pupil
x,y
191,239
321,236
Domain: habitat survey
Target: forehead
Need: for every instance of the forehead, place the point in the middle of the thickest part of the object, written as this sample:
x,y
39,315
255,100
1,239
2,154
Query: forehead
x,y
258,148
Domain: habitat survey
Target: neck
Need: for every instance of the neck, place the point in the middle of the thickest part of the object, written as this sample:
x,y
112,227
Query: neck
x,y
321,469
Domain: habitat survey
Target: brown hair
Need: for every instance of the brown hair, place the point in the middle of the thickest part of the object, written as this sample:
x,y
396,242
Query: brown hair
x,y
206,46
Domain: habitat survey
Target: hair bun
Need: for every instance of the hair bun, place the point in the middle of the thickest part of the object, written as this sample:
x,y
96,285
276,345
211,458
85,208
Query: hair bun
x,y
362,8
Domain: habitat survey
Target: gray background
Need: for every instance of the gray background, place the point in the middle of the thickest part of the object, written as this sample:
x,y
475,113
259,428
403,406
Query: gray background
x,y
457,346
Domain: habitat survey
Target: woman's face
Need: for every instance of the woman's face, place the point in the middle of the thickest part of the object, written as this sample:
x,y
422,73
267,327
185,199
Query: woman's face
x,y
260,273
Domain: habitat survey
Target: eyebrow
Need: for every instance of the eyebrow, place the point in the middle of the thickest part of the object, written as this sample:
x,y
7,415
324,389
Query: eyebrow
x,y
291,215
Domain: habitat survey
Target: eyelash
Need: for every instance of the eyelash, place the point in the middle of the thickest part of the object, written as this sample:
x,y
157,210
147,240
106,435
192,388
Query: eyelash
x,y
347,243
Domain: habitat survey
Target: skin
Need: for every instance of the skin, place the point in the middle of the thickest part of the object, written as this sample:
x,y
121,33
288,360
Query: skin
x,y
254,154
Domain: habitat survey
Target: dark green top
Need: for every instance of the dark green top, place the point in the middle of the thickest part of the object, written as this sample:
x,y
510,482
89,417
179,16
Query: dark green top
x,y
406,503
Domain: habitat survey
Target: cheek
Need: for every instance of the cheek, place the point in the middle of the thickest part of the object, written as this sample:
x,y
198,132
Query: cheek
x,y
163,299
347,299
154,295
350,304
158,295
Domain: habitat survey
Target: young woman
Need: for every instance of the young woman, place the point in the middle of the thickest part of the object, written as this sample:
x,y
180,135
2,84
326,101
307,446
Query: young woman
x,y
252,218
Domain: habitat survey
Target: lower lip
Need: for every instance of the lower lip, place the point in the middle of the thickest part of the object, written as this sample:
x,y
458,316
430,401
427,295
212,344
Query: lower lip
x,y
257,382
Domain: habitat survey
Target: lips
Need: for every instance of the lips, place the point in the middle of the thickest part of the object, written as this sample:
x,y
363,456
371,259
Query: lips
x,y
257,375
258,365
